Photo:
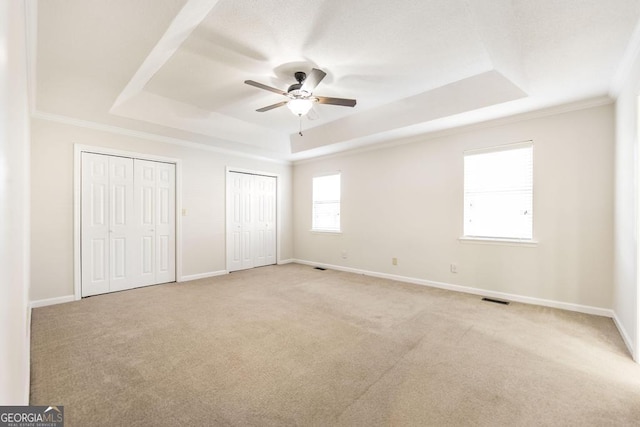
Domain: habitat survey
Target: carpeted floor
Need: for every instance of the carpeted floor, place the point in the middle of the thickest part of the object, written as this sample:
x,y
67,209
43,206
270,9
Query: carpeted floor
x,y
290,345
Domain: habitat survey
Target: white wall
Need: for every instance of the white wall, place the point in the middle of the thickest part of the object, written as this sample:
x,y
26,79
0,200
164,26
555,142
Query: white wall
x,y
14,207
203,196
407,202
626,299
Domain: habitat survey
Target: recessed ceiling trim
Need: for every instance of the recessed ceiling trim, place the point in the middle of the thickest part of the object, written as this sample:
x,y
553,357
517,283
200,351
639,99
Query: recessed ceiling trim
x,y
487,89
164,111
148,136
189,17
198,52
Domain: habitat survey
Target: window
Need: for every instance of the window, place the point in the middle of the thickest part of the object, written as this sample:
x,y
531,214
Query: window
x,y
326,203
498,192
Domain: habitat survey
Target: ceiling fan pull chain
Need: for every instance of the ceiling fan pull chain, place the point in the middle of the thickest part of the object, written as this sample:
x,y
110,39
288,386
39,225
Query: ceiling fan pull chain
x,y
300,132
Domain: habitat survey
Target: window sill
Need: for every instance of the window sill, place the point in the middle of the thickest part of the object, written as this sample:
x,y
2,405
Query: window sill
x,y
326,231
498,241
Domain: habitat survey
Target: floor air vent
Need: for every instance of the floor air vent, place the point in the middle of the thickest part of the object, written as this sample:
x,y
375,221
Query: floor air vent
x,y
320,268
497,301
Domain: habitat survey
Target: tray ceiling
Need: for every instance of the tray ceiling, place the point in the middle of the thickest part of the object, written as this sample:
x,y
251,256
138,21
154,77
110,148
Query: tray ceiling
x,y
176,67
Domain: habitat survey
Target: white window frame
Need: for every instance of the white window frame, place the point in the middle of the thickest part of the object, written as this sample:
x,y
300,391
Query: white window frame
x,y
499,239
314,227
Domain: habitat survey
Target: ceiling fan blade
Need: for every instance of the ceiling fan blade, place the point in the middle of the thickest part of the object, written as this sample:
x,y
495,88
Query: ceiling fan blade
x,y
336,101
265,87
313,79
271,107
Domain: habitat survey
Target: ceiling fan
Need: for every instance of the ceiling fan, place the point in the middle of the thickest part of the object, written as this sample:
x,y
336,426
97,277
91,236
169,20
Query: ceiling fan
x,y
300,94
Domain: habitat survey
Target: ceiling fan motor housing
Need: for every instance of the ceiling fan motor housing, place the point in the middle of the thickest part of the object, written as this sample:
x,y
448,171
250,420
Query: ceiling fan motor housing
x,y
300,76
294,89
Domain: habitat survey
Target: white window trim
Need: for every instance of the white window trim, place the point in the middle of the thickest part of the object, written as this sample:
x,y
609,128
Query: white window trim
x,y
498,241
324,230
505,241
321,231
501,147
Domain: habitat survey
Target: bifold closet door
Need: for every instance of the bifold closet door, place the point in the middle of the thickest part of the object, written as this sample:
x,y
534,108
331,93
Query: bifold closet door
x,y
127,223
95,227
107,221
251,211
154,205
264,195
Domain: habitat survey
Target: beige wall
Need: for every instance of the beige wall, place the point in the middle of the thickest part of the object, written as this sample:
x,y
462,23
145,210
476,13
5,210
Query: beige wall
x,y
406,202
203,195
14,207
626,294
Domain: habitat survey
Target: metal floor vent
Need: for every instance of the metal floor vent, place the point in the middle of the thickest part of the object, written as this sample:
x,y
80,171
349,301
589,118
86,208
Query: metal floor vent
x,y
320,268
497,301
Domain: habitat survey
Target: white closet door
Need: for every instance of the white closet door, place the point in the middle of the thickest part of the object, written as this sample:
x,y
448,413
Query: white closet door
x,y
234,221
95,224
247,223
155,223
265,220
128,223
251,213
121,217
165,222
145,206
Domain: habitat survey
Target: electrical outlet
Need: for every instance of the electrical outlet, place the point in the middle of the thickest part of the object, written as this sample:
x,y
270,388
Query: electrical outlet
x,y
344,254
394,261
454,268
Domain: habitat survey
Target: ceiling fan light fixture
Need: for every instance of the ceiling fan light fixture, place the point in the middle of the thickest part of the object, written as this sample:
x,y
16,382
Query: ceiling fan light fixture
x,y
300,95
300,106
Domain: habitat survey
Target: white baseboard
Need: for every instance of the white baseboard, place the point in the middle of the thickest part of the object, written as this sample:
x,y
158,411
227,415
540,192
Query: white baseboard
x,y
598,311
286,261
51,301
625,337
203,275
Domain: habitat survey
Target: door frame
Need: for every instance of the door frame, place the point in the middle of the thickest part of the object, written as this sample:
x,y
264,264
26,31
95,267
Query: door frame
x,y
78,149
227,206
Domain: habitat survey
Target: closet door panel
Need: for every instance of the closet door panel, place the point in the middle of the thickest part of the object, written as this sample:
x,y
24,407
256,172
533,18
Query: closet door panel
x,y
165,223
145,207
265,222
247,224
270,220
94,211
234,221
121,217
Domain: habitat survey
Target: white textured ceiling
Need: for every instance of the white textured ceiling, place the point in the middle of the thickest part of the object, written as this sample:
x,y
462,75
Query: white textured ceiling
x,y
176,67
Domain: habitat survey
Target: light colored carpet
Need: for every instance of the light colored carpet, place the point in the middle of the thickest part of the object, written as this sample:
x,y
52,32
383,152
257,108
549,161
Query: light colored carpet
x,y
290,345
